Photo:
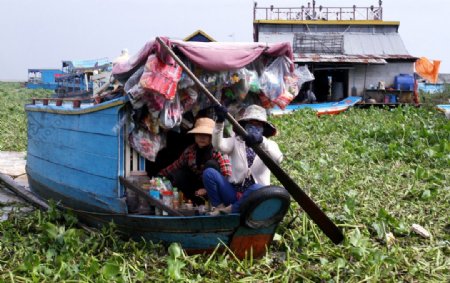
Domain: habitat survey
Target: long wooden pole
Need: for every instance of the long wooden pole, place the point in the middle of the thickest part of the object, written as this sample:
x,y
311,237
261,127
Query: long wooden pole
x,y
308,205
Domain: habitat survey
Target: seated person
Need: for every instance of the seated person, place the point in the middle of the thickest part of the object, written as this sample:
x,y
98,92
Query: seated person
x,y
186,172
249,173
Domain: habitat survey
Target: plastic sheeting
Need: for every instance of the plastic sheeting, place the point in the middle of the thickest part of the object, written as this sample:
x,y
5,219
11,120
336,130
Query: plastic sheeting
x,y
427,69
211,56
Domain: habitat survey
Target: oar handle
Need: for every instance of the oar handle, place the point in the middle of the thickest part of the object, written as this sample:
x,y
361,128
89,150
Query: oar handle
x,y
308,205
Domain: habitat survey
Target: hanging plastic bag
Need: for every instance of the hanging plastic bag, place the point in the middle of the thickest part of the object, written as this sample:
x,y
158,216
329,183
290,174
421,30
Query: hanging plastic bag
x,y
151,122
265,101
304,75
171,115
241,83
253,81
185,81
284,99
155,102
272,79
146,144
290,92
188,97
160,78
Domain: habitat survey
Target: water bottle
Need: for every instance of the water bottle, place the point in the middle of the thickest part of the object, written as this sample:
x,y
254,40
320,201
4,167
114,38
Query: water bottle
x,y
167,198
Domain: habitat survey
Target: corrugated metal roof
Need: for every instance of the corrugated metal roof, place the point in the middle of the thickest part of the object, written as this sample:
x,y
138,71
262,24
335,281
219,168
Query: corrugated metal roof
x,y
374,44
365,48
330,58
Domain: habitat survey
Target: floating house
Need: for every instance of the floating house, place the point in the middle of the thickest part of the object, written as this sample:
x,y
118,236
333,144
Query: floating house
x,y
352,51
77,75
73,78
43,78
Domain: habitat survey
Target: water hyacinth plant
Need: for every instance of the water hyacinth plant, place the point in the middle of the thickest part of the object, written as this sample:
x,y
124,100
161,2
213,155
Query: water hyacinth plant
x,y
375,172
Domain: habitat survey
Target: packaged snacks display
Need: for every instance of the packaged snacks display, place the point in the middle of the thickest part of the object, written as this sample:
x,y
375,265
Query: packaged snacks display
x,y
160,77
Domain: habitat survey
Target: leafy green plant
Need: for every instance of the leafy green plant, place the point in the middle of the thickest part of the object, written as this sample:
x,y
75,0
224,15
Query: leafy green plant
x,y
373,171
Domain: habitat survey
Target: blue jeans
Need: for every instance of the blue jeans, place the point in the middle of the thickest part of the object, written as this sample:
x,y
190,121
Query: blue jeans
x,y
221,191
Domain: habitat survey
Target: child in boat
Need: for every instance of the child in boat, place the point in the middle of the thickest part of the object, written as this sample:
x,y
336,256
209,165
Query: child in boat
x,y
249,173
186,172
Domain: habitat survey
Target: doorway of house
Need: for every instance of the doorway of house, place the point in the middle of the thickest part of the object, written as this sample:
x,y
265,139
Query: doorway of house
x,y
330,84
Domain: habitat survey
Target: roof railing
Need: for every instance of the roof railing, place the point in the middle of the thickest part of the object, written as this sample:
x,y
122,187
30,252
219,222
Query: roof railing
x,y
313,12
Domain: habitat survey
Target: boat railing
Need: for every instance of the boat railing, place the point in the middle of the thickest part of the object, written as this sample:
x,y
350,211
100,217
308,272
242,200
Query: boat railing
x,y
59,101
76,102
305,13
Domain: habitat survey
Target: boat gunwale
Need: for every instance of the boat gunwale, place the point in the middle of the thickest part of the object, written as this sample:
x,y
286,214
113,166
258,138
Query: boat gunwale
x,y
76,111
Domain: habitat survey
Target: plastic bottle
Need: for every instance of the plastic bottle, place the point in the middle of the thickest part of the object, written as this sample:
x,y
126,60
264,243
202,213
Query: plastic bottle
x,y
155,193
167,198
167,183
176,198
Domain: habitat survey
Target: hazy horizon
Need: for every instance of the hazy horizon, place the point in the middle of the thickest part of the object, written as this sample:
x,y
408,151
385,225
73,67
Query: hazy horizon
x,y
41,34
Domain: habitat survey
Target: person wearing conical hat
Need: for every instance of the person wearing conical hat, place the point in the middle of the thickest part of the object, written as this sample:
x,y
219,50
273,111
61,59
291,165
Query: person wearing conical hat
x,y
186,172
249,173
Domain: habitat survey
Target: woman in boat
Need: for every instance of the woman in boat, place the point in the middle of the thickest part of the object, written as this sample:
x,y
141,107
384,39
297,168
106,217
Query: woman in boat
x,y
186,172
249,173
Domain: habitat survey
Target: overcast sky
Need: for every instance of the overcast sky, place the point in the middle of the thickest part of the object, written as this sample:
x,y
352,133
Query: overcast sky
x,y
40,34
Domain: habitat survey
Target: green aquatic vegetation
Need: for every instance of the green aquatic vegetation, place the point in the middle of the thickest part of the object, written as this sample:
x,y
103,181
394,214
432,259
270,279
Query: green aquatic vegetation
x,y
373,171
13,97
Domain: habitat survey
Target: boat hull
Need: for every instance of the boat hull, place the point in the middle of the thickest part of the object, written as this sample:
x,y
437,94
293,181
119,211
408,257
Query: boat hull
x,y
75,158
196,234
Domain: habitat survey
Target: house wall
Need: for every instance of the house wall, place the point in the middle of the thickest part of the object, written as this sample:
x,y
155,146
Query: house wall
x,y
361,79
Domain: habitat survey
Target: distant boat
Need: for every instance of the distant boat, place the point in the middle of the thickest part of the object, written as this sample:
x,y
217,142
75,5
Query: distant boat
x,y
43,78
325,108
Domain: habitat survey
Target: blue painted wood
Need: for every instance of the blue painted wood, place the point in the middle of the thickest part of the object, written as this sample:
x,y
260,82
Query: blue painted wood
x,y
80,123
443,107
73,197
76,140
76,159
193,240
82,181
325,106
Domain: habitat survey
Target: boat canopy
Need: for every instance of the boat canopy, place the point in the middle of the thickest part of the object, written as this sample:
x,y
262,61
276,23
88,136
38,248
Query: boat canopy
x,y
211,56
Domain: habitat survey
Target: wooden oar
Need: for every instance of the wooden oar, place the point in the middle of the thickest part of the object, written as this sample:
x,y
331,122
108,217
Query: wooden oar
x,y
308,205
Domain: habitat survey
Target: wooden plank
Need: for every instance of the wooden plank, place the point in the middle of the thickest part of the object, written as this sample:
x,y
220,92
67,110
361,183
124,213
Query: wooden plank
x,y
89,184
22,192
105,123
30,197
87,162
152,201
135,160
127,159
81,141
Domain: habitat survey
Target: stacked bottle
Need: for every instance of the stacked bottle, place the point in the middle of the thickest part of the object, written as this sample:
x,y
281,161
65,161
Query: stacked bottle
x,y
176,199
167,198
155,193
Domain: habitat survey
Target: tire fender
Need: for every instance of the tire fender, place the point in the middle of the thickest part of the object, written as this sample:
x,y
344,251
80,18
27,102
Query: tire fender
x,y
264,207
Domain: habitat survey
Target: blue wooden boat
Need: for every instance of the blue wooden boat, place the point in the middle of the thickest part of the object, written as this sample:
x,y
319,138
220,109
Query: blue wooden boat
x,y
325,108
76,156
443,107
43,78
